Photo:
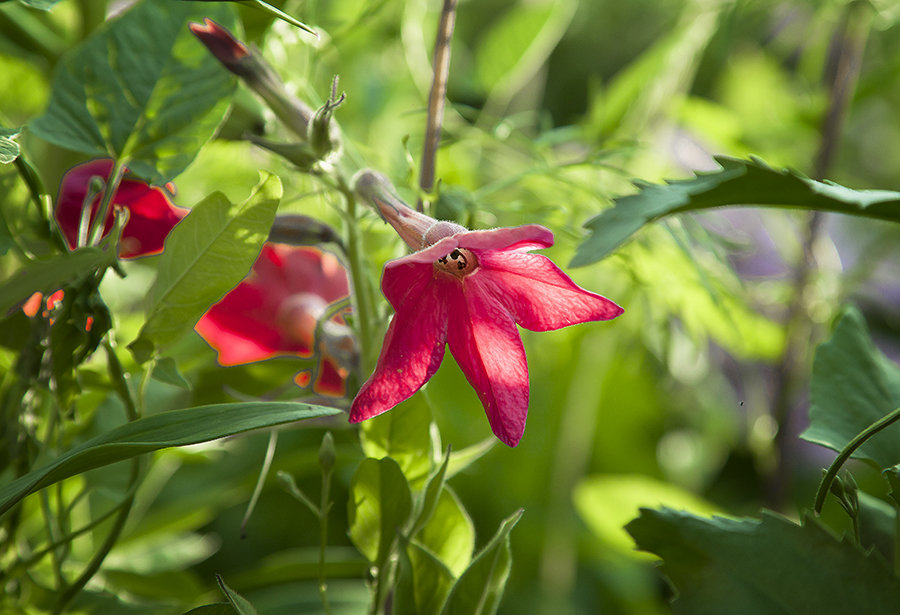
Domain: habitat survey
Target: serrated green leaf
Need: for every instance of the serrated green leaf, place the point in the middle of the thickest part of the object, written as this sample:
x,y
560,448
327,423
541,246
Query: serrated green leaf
x,y
379,506
853,386
164,430
738,182
423,584
9,149
240,604
608,502
50,274
479,589
449,533
140,89
207,254
771,566
403,434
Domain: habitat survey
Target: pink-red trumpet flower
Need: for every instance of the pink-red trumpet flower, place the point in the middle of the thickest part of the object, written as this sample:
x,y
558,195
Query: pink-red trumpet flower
x,y
467,289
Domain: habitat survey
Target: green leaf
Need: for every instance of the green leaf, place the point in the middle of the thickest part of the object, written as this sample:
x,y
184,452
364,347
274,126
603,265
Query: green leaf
x,y
165,370
379,506
853,385
403,434
9,149
141,89
216,608
207,254
166,429
462,459
433,489
479,589
517,45
240,604
449,533
50,274
423,584
43,5
739,182
608,502
769,566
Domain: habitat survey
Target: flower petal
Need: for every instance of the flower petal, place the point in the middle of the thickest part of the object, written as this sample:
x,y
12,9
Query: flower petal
x,y
243,329
395,282
414,344
537,293
485,342
528,237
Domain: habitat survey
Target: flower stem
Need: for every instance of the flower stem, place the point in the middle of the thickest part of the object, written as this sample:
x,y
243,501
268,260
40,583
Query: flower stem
x,y
112,186
436,100
362,301
847,451
263,473
324,508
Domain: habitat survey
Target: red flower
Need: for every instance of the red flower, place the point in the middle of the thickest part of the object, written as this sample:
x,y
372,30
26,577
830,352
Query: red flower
x,y
150,213
227,49
468,289
275,310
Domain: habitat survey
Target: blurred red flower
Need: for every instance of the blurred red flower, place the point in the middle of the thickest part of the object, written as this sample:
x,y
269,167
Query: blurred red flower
x,y
276,309
151,215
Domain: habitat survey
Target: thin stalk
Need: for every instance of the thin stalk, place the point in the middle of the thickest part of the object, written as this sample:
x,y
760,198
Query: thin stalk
x,y
263,473
324,509
97,560
436,98
112,186
847,451
897,544
362,302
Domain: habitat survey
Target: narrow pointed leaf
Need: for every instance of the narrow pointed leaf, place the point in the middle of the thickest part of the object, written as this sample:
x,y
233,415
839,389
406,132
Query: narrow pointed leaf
x,y
207,254
479,589
769,566
240,604
379,506
424,581
853,386
163,430
433,489
141,89
738,182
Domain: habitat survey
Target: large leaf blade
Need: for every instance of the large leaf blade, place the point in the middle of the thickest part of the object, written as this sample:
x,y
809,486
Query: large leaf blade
x,y
768,566
141,89
164,430
207,254
738,182
853,386
379,506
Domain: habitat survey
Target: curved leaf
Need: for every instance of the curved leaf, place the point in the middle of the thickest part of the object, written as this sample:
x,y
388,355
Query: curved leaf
x,y
207,254
853,386
767,566
738,182
380,504
141,89
163,430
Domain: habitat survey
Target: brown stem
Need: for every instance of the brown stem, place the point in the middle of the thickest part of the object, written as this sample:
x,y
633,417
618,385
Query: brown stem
x,y
436,100
841,75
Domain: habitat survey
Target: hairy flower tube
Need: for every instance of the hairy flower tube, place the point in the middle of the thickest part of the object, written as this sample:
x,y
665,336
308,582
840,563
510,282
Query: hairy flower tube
x,y
467,290
277,310
151,215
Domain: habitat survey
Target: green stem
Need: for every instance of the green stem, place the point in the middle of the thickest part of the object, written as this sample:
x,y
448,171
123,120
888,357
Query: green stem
x,y
324,509
897,543
847,451
97,560
112,186
263,473
362,301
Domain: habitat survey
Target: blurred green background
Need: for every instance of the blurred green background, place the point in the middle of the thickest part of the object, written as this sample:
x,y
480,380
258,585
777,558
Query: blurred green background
x,y
555,106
